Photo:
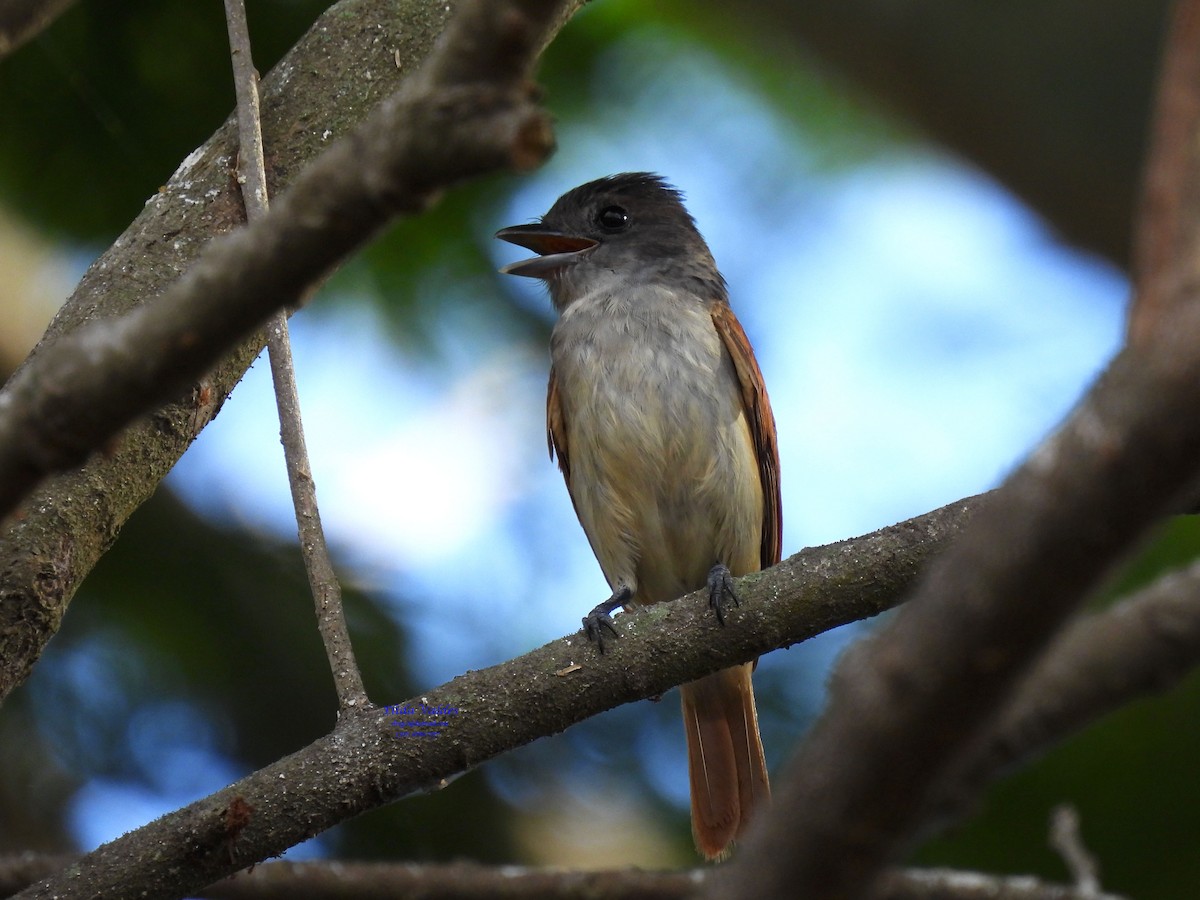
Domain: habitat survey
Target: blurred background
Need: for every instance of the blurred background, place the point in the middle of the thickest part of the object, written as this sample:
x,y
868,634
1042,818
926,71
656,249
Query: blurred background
x,y
923,215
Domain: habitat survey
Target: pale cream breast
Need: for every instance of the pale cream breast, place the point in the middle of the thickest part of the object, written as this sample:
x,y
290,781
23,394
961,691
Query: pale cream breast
x,y
663,471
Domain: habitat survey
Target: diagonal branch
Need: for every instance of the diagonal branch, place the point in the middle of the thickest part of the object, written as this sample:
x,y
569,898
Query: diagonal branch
x,y
367,762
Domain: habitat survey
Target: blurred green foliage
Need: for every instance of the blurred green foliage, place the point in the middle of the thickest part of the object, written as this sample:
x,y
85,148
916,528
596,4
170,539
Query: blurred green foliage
x,y
100,109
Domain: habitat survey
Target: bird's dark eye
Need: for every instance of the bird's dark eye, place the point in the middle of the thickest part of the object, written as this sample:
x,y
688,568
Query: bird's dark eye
x,y
613,218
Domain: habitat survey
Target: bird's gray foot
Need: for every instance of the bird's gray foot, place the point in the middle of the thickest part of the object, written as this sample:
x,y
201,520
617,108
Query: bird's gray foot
x,y
720,590
600,618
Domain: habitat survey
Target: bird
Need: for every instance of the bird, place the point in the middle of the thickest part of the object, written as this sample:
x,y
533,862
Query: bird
x,y
659,418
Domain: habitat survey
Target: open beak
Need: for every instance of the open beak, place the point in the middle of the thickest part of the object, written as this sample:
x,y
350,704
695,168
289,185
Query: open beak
x,y
555,248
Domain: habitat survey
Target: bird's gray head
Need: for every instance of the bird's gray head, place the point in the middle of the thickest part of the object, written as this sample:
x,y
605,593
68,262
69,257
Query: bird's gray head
x,y
630,228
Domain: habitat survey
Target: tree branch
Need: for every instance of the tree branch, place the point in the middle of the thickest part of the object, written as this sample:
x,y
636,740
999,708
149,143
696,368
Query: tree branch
x,y
368,761
443,133
470,881
945,884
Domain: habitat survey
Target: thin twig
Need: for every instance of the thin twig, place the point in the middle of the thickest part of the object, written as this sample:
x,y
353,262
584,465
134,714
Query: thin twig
x,y
326,590
1067,840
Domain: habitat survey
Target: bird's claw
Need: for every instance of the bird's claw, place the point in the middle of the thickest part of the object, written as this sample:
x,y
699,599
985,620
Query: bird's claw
x,y
595,623
600,618
720,590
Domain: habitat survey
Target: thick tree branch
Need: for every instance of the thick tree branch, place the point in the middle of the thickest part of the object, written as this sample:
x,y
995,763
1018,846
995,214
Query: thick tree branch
x,y
362,764
316,93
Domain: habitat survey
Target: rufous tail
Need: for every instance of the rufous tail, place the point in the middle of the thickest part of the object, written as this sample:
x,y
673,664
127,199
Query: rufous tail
x,y
726,767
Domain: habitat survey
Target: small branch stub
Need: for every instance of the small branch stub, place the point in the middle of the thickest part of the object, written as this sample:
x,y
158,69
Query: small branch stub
x,y
1067,840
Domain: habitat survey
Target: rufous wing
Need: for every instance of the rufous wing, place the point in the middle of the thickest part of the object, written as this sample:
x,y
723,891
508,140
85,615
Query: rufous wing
x,y
556,428
762,426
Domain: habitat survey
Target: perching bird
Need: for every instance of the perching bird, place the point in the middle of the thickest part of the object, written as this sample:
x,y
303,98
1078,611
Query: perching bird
x,y
660,419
